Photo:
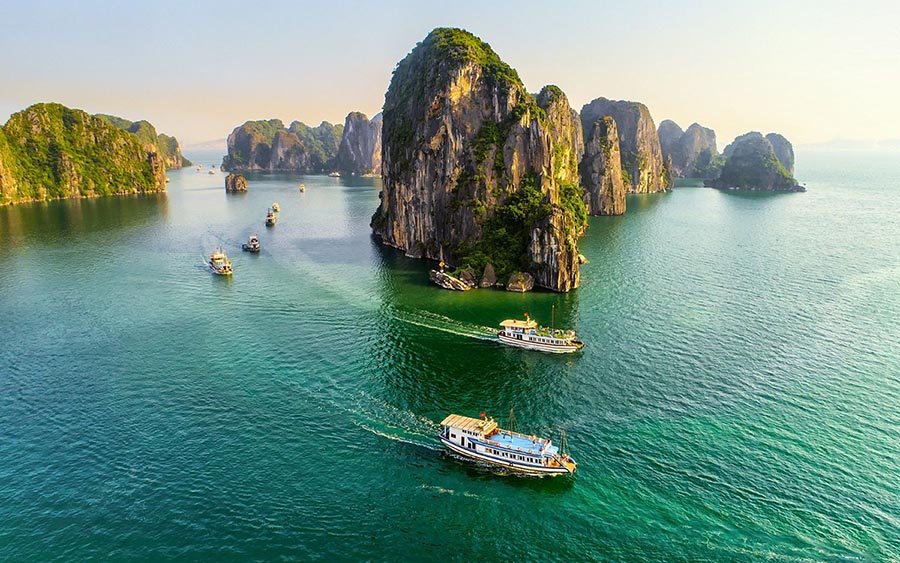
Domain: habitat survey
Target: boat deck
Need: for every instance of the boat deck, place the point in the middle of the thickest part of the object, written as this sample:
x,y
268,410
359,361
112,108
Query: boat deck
x,y
514,441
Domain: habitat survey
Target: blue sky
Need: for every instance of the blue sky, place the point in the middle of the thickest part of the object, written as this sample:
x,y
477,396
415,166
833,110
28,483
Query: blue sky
x,y
814,71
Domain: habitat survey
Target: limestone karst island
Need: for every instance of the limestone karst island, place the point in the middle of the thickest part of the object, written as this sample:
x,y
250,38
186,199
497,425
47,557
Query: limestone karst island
x,y
330,281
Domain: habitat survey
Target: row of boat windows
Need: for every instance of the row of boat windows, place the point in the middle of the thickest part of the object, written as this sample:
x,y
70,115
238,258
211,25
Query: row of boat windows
x,y
532,338
546,340
510,455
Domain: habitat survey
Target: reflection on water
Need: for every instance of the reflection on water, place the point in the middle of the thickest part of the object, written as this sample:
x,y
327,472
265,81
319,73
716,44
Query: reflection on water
x,y
59,221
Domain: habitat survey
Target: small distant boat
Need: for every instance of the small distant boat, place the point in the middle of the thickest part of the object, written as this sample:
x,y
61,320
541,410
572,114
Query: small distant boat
x,y
275,207
168,179
527,334
302,187
252,244
219,264
334,174
483,440
270,218
211,172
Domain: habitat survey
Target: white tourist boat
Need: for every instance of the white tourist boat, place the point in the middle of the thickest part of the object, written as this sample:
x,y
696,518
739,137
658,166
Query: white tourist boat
x,y
483,440
335,174
219,264
527,334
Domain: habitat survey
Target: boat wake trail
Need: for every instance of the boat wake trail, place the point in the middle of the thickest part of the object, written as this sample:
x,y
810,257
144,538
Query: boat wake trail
x,y
387,421
413,441
212,239
435,321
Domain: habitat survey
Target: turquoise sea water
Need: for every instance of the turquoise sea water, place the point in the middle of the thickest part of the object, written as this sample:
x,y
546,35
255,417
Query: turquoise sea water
x,y
738,398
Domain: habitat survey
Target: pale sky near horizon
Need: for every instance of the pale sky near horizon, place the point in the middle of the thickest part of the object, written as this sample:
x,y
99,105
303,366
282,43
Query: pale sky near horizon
x,y
813,71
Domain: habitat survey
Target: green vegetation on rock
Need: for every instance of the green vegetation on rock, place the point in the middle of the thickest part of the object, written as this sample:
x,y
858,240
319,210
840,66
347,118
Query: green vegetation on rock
x,y
49,151
250,145
321,142
572,201
507,231
751,163
458,46
268,145
167,146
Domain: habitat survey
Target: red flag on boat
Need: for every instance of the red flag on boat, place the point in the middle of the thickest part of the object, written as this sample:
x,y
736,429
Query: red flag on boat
x,y
483,415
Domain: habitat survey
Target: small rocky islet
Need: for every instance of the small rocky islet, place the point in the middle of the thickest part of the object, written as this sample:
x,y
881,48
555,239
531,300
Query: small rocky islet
x,y
235,183
476,170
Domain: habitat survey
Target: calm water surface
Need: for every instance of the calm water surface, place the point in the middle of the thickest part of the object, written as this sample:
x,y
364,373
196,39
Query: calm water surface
x,y
738,398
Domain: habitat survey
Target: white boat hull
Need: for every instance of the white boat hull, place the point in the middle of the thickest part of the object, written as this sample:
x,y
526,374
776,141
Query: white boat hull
x,y
522,468
540,346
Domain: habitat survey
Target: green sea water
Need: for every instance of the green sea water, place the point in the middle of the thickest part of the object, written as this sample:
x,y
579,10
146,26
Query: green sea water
x,y
738,398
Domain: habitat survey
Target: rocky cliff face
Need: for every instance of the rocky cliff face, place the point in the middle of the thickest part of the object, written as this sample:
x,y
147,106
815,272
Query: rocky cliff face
x,y
360,149
784,150
752,164
477,169
699,152
643,166
693,153
168,148
669,134
601,169
269,145
49,151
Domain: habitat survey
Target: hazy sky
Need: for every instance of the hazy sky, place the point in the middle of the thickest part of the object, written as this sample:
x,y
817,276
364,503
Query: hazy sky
x,y
814,71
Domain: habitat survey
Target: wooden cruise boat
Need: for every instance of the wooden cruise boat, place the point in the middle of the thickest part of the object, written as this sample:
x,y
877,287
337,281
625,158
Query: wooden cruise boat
x,y
219,264
483,440
527,334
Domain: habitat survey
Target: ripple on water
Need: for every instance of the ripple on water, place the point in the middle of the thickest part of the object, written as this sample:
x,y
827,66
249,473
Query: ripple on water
x,y
737,399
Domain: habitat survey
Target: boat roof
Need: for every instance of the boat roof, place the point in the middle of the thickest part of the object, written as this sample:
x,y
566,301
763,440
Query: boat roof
x,y
514,441
468,423
516,323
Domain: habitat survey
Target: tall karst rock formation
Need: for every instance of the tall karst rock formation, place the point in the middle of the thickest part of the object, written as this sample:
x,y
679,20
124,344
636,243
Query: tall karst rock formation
x,y
601,169
475,168
692,153
643,167
360,149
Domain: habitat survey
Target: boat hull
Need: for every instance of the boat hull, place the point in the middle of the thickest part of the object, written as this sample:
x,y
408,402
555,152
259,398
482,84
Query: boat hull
x,y
508,464
538,346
